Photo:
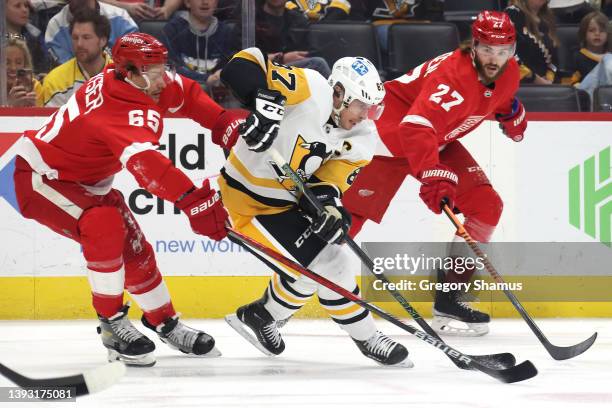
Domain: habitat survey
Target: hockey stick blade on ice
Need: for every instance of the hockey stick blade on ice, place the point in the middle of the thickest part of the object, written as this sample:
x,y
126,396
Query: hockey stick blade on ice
x,y
86,383
520,372
557,352
502,360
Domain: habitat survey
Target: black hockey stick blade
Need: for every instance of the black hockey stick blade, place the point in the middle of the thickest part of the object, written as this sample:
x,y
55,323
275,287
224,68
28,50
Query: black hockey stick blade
x,y
86,383
519,372
565,353
496,361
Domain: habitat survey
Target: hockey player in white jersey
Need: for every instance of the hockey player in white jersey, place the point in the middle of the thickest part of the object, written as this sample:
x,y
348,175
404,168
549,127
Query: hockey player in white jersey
x,y
320,128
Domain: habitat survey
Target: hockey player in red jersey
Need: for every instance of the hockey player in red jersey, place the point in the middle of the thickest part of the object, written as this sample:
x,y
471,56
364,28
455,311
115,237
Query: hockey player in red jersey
x,y
426,112
63,180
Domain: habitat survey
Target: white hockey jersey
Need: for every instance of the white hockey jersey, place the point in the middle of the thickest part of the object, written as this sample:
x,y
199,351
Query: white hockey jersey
x,y
252,184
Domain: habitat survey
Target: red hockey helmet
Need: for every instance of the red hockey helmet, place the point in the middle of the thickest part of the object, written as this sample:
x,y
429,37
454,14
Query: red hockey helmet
x,y
494,28
139,50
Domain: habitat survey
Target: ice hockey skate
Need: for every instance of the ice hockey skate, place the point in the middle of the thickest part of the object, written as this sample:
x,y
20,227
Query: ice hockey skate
x,y
256,325
385,351
452,316
124,342
184,338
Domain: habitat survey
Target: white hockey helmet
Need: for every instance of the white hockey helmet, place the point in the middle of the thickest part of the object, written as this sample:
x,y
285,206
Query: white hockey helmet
x,y
360,80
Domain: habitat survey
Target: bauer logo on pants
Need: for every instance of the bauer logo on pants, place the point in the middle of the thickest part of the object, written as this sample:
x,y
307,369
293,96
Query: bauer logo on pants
x,y
590,196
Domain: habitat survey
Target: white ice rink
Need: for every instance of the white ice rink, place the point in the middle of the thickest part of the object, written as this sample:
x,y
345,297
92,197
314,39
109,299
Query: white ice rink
x,y
321,367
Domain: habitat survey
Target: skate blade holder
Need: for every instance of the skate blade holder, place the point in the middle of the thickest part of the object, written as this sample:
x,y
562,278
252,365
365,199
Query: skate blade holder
x,y
213,353
406,363
246,333
453,327
141,360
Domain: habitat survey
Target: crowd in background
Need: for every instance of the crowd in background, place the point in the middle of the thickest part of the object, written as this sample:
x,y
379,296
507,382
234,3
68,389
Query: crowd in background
x,y
54,46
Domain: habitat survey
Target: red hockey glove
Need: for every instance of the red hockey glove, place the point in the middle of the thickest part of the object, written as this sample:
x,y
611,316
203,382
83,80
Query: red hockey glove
x,y
515,123
438,183
227,127
205,211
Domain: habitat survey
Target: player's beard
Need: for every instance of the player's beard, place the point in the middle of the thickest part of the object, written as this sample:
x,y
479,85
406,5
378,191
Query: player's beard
x,y
483,73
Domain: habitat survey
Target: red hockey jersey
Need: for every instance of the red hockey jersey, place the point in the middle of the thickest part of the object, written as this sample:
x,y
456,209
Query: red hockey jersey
x,y
438,102
104,123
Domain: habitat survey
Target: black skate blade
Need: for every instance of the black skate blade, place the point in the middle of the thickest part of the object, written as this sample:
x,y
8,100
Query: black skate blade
x,y
565,353
245,332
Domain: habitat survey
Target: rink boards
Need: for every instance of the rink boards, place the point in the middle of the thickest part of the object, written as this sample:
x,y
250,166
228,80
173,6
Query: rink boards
x,y
543,182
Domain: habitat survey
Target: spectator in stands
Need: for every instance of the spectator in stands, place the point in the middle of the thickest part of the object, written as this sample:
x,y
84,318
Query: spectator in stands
x,y
22,89
198,43
283,35
57,37
384,13
89,32
537,42
146,9
18,24
226,9
570,11
593,60
593,40
321,10
44,10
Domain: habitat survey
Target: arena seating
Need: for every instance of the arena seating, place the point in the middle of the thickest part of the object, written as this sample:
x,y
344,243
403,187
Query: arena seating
x,y
549,98
415,43
336,40
153,27
602,99
568,38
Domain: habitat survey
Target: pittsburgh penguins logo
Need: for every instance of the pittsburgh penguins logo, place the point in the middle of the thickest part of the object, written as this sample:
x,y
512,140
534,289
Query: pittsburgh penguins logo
x,y
306,158
351,177
398,9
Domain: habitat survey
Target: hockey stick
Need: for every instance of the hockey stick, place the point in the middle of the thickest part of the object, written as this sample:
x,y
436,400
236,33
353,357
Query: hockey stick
x,y
520,372
502,360
557,352
86,383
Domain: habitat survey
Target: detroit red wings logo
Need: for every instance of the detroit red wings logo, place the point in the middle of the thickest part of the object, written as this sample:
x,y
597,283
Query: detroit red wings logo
x,y
467,124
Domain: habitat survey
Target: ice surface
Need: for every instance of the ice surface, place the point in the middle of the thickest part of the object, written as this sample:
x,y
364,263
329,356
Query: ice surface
x,y
321,367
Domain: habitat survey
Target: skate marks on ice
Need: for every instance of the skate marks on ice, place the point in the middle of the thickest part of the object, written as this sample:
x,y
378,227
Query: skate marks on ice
x,y
321,366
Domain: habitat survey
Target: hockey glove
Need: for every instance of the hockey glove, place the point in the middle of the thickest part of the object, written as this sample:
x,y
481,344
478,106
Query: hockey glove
x,y
261,126
438,183
226,129
205,211
333,224
513,124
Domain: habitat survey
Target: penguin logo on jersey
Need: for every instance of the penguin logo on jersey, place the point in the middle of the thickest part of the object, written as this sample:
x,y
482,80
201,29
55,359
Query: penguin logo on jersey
x,y
397,9
351,177
306,158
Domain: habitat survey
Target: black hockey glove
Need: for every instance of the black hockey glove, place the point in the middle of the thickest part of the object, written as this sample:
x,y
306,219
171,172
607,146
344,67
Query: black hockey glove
x,y
261,126
333,224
